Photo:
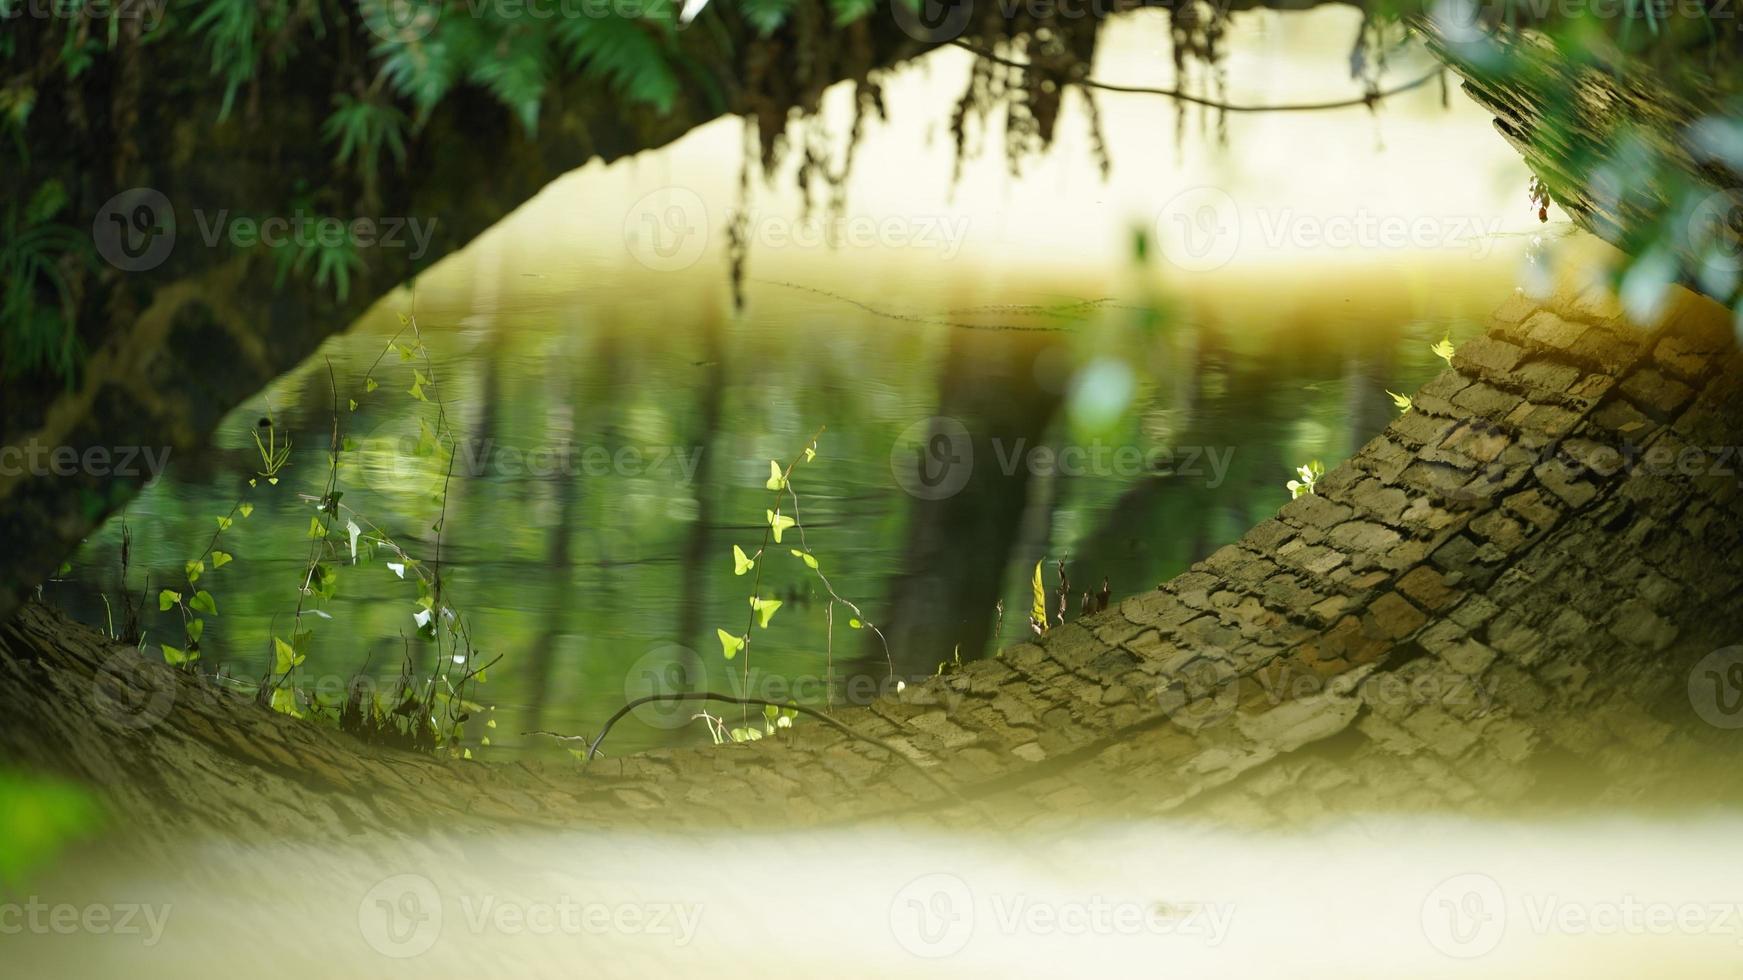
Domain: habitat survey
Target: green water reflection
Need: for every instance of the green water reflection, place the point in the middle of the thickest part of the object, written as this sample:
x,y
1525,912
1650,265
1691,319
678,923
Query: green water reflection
x,y
613,453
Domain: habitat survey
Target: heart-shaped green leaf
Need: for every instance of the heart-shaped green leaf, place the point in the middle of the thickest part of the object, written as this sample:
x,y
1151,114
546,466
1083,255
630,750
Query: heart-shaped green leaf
x,y
765,610
729,644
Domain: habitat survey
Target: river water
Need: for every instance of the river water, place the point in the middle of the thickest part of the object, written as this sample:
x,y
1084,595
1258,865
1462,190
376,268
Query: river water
x,y
1125,410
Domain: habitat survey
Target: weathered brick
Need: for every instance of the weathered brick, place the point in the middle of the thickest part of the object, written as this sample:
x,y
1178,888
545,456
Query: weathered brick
x,y
1656,395
1394,617
1427,588
1488,354
1549,330
1363,536
1548,376
1316,511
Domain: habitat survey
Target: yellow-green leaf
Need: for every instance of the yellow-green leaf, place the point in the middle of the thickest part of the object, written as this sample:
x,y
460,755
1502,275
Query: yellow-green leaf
x,y
286,655
284,700
203,602
245,509
806,557
775,481
741,562
1038,593
765,609
1444,349
220,559
167,599
779,522
729,644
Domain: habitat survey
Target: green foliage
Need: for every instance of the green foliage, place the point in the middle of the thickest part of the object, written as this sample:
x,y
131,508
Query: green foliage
x,y
39,817
334,262
425,70
626,55
363,130
1038,601
763,608
517,73
845,12
1310,475
233,31
766,16
37,307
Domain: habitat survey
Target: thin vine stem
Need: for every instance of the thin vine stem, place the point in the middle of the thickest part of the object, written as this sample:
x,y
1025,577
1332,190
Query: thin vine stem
x,y
1369,98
